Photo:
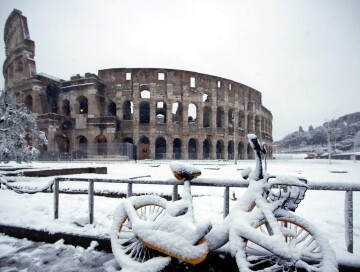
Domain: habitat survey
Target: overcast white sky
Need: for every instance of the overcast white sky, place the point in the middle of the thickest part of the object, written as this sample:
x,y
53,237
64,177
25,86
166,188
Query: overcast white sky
x,y
303,56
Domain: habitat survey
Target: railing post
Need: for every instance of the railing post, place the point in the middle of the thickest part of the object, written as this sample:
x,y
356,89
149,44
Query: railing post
x,y
56,199
91,201
174,193
226,201
349,227
129,190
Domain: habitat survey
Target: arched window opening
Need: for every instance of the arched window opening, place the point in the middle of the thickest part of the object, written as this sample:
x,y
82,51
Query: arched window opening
x,y
29,102
241,120
240,151
83,147
66,107
144,92
144,113
219,150
220,117
112,109
205,98
192,113
128,110
52,94
102,144
207,117
67,125
160,112
63,143
144,148
160,148
177,109
206,149
231,150
83,104
177,149
128,140
192,149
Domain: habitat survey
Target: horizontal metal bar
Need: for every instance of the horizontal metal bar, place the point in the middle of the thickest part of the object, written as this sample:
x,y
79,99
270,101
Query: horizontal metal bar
x,y
315,185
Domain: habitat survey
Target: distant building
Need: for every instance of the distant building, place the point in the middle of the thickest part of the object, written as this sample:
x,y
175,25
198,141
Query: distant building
x,y
166,113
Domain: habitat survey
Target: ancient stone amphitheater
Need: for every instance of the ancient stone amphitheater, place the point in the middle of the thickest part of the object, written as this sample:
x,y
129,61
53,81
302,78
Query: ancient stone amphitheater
x,y
149,113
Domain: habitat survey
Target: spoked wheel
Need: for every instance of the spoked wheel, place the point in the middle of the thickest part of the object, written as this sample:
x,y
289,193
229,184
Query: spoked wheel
x,y
310,250
128,249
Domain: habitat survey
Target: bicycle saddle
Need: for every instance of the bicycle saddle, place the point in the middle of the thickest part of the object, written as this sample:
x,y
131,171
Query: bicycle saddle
x,y
183,171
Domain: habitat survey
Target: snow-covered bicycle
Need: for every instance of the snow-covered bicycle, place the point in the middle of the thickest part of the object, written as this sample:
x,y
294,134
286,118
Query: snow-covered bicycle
x,y
261,231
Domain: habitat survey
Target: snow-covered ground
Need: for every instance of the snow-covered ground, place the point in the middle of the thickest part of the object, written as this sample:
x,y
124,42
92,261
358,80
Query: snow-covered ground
x,y
323,208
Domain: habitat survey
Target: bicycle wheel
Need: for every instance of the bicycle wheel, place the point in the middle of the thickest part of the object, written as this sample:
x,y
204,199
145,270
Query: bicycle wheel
x,y
129,252
310,249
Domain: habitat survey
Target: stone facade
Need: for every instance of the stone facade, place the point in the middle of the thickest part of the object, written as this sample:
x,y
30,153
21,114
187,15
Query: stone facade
x,y
166,113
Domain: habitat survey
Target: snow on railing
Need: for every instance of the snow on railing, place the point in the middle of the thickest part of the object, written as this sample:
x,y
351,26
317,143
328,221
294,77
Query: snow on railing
x,y
348,188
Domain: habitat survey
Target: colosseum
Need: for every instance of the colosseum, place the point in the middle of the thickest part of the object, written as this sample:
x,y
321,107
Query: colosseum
x,y
143,113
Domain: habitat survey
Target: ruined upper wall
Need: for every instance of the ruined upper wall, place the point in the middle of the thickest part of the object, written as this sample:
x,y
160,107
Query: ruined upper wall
x,y
19,50
179,78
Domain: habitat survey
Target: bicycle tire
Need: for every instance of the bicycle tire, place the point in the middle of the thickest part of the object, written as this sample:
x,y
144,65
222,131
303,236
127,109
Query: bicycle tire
x,y
313,249
129,252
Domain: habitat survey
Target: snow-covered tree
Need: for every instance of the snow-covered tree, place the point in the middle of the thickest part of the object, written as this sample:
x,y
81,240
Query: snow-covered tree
x,y
19,134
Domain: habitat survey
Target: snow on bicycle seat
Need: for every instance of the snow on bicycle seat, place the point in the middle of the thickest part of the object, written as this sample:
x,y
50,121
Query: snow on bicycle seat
x,y
183,171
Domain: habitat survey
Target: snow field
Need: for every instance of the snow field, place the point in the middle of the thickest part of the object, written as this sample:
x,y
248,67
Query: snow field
x,y
325,209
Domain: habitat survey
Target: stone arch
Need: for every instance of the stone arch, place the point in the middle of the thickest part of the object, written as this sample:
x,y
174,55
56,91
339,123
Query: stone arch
x,y
83,104
128,140
66,107
192,149
241,120
161,112
177,110
144,148
144,113
207,117
83,146
206,97
52,94
220,117
241,151
67,125
63,143
160,148
250,105
192,113
177,149
219,149
128,110
112,108
102,144
29,102
144,91
207,149
230,150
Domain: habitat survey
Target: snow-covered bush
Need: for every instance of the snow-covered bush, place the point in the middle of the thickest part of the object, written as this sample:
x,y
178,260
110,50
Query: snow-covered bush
x,y
19,134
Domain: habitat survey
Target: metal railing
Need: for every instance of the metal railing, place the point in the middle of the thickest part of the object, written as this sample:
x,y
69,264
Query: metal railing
x,y
348,188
